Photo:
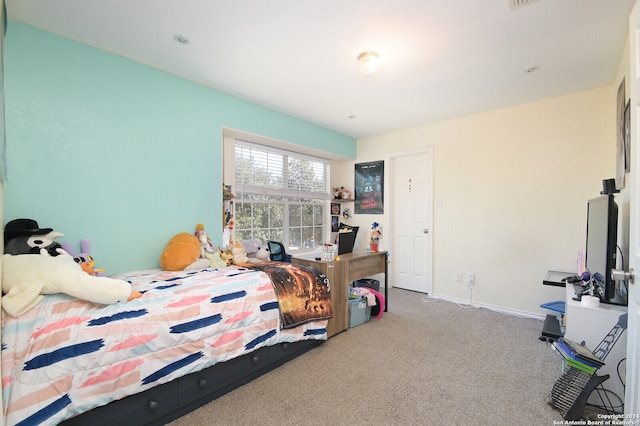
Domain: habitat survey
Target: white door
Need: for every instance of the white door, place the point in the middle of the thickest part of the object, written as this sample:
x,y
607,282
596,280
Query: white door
x,y
632,390
412,220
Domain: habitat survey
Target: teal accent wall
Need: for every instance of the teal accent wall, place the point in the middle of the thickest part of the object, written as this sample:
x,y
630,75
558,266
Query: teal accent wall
x,y
104,148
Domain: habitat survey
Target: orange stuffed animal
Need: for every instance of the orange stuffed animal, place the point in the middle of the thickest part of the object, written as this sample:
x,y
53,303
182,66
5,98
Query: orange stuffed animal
x,y
182,253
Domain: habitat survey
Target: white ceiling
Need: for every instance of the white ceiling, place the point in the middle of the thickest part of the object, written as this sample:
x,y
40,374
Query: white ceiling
x,y
439,58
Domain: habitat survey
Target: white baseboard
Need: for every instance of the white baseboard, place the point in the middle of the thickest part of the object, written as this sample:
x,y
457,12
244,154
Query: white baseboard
x,y
508,311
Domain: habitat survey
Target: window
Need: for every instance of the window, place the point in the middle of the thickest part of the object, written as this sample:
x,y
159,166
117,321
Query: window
x,y
280,196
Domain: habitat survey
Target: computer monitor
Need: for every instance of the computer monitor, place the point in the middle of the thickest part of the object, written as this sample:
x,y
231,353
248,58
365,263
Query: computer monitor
x,y
601,246
346,240
343,226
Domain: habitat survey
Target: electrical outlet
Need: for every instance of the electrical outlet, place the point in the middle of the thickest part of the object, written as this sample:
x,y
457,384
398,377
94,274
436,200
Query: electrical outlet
x,y
459,276
471,278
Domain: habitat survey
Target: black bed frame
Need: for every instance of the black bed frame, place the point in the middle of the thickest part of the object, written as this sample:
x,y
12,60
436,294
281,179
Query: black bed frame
x,y
167,402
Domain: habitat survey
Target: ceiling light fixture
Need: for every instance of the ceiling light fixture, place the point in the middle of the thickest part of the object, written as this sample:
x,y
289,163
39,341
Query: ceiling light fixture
x,y
180,39
368,62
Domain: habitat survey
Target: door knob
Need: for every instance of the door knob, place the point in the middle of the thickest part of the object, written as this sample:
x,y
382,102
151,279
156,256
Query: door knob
x,y
620,275
425,231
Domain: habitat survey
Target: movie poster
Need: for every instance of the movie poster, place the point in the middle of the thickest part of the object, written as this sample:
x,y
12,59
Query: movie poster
x,y
369,184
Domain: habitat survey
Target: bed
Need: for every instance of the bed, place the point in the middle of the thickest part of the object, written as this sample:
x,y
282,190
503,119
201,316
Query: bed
x,y
190,338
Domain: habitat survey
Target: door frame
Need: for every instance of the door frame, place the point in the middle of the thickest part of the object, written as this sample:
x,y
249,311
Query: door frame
x,y
389,200
632,387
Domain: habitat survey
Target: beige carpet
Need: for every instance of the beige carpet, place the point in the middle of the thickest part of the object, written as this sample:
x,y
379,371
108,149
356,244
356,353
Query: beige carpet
x,y
424,362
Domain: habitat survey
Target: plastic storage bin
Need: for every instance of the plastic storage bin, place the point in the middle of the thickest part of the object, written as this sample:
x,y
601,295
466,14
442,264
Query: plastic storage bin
x,y
369,283
359,311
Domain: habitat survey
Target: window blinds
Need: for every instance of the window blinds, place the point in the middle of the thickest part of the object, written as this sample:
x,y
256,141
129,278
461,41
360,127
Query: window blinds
x,y
270,171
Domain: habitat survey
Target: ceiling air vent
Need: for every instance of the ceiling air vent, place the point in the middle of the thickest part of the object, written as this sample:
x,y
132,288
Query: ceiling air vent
x,y
517,4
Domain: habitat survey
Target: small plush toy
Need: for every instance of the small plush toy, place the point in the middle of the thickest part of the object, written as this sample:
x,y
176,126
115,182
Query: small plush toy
x,y
84,258
24,236
182,253
239,254
205,242
251,246
216,260
256,251
262,255
227,256
26,277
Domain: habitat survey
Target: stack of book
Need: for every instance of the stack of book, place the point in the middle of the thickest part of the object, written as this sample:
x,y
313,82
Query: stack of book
x,y
577,356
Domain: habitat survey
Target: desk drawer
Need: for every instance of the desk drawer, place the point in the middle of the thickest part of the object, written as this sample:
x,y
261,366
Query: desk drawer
x,y
138,409
366,266
202,383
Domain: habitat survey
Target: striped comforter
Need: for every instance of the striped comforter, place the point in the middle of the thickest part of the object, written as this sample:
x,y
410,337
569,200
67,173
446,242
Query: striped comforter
x,y
66,356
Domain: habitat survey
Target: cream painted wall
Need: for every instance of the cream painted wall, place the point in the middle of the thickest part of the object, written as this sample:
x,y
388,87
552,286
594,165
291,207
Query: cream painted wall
x,y
514,184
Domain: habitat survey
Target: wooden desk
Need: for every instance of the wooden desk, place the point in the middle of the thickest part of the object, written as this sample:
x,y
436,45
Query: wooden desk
x,y
351,267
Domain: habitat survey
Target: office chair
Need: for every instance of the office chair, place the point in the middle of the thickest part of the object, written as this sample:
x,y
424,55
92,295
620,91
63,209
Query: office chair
x,y
277,251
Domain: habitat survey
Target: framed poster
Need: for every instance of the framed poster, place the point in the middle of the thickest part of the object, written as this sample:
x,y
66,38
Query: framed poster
x,y
335,223
369,188
627,138
620,139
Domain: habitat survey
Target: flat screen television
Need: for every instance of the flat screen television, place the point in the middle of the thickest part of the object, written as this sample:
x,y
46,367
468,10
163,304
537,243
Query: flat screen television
x,y
601,248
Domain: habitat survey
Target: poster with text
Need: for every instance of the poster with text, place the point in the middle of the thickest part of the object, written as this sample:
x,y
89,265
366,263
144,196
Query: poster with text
x,y
369,184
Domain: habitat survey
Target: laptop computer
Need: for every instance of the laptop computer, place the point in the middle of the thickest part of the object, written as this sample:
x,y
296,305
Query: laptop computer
x,y
346,240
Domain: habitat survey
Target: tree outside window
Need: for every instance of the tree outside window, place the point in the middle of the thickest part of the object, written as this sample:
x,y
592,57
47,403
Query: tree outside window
x,y
280,196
